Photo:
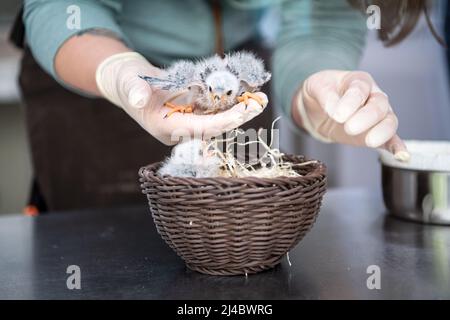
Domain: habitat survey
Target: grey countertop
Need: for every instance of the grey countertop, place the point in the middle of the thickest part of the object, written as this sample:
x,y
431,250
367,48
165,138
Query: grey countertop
x,y
120,255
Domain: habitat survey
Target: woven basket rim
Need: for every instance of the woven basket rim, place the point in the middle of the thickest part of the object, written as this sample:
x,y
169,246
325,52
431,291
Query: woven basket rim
x,y
317,169
231,226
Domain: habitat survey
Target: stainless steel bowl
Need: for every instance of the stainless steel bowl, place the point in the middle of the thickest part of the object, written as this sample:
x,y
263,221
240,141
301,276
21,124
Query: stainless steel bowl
x,y
418,195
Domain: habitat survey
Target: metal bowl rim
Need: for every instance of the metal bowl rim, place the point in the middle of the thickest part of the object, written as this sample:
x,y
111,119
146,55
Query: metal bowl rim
x,y
413,170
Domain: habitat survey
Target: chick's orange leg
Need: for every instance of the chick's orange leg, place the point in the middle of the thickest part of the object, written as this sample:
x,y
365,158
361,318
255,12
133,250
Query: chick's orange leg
x,y
177,108
249,95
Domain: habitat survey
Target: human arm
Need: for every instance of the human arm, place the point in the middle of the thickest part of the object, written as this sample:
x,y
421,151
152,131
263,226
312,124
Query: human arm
x,y
319,48
88,62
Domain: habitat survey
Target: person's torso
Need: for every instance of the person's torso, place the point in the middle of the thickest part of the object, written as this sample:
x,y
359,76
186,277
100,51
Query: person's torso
x,y
174,29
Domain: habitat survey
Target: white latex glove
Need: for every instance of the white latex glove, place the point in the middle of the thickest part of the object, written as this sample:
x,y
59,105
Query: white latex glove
x,y
348,107
117,80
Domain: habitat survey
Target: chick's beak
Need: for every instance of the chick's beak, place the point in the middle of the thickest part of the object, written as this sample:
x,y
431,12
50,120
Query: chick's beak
x,y
214,97
223,97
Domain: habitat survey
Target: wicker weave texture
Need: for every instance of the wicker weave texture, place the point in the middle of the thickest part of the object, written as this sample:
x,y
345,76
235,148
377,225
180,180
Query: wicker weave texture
x,y
231,226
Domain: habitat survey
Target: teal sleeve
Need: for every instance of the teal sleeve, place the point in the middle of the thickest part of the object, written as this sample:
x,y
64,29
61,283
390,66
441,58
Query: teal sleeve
x,y
46,25
315,35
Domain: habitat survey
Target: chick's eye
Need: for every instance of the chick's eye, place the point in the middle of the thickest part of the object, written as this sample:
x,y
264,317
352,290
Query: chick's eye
x,y
209,88
229,92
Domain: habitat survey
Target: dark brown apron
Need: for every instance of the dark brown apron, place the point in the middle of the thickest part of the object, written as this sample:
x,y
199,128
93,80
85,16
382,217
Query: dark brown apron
x,y
86,152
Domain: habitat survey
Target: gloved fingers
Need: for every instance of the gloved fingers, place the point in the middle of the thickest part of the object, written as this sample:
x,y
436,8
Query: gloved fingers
x,y
180,126
139,95
357,89
244,113
375,110
237,115
382,132
234,117
207,126
397,147
263,98
136,91
323,92
117,81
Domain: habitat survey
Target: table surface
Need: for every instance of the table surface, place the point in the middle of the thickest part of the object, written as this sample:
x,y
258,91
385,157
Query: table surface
x,y
120,255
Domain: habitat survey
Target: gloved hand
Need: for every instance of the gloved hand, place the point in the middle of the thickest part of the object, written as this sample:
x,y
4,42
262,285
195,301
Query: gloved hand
x,y
117,80
348,107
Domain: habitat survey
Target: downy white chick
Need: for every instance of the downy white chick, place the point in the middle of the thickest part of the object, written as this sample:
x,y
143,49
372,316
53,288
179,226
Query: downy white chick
x,y
191,159
214,84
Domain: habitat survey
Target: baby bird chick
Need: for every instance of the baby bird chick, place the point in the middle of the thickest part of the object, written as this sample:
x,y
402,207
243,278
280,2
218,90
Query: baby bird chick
x,y
191,159
214,84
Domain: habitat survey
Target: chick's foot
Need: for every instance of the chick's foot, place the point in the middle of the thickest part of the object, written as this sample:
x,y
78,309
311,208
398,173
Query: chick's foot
x,y
177,108
249,95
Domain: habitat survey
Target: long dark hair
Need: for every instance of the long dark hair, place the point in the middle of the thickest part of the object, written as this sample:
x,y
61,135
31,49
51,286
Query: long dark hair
x,y
399,17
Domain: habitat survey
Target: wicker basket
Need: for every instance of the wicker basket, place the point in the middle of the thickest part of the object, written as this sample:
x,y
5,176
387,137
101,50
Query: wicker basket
x,y
231,226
